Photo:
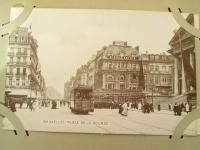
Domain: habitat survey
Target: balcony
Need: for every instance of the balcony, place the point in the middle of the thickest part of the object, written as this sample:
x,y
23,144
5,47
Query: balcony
x,y
11,53
21,53
9,74
21,63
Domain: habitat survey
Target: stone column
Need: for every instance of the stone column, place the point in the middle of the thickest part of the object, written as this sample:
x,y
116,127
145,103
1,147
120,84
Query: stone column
x,y
175,76
192,59
104,80
197,53
192,64
184,89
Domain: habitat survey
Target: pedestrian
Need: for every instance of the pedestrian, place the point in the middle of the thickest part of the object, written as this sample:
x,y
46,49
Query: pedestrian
x,y
159,107
169,107
148,108
120,109
139,106
175,109
190,107
130,106
28,103
151,107
12,105
54,104
145,108
179,110
31,105
112,104
125,109
187,108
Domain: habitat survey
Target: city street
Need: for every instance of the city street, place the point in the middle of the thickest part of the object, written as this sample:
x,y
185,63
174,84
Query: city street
x,y
100,121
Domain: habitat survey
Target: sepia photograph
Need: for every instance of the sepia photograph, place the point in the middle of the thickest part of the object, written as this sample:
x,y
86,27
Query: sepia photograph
x,y
101,71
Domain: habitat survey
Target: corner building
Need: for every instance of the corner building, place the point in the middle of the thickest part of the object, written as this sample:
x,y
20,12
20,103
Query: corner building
x,y
23,76
117,73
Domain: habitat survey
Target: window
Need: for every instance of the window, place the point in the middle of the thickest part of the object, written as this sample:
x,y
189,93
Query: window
x,y
157,68
18,59
110,78
144,67
18,71
151,57
134,77
25,50
164,68
17,82
24,71
122,86
110,66
12,49
10,82
170,69
23,82
24,59
151,68
156,80
19,50
122,78
11,59
110,86
11,70
134,66
157,58
164,80
151,80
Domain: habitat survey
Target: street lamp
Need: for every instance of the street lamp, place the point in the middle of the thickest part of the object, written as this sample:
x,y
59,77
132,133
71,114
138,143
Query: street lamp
x,y
152,95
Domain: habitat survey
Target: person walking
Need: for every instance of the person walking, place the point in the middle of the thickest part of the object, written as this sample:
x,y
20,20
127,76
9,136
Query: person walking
x,y
120,109
159,107
151,107
125,109
175,109
139,106
12,105
187,108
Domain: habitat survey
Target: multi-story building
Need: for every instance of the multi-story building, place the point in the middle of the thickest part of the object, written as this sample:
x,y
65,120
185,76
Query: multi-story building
x,y
118,70
183,50
23,77
158,70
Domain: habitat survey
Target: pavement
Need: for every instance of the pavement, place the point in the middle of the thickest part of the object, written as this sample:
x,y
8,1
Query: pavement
x,y
105,121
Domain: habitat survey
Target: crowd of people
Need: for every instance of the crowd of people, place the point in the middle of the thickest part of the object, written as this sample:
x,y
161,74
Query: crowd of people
x,y
145,107
124,108
179,108
32,104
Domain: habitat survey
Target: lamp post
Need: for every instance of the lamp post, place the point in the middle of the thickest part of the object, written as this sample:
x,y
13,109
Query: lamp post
x,y
152,95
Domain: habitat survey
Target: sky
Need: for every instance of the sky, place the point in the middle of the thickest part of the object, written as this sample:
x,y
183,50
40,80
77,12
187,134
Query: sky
x,y
68,38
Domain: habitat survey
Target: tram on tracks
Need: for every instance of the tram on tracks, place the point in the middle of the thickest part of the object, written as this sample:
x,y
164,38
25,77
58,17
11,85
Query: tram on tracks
x,y
81,100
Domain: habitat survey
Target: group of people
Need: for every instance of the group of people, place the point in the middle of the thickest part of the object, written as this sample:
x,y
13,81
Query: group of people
x,y
32,104
143,107
148,108
179,108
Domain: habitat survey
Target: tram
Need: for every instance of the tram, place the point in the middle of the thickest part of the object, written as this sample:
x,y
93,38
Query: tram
x,y
81,100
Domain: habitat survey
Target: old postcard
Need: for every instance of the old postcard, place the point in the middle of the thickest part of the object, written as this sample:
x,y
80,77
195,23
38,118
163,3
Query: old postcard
x,y
101,71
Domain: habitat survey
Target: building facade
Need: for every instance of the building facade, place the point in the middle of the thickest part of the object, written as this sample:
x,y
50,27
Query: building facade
x,y
183,50
23,76
116,71
158,69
